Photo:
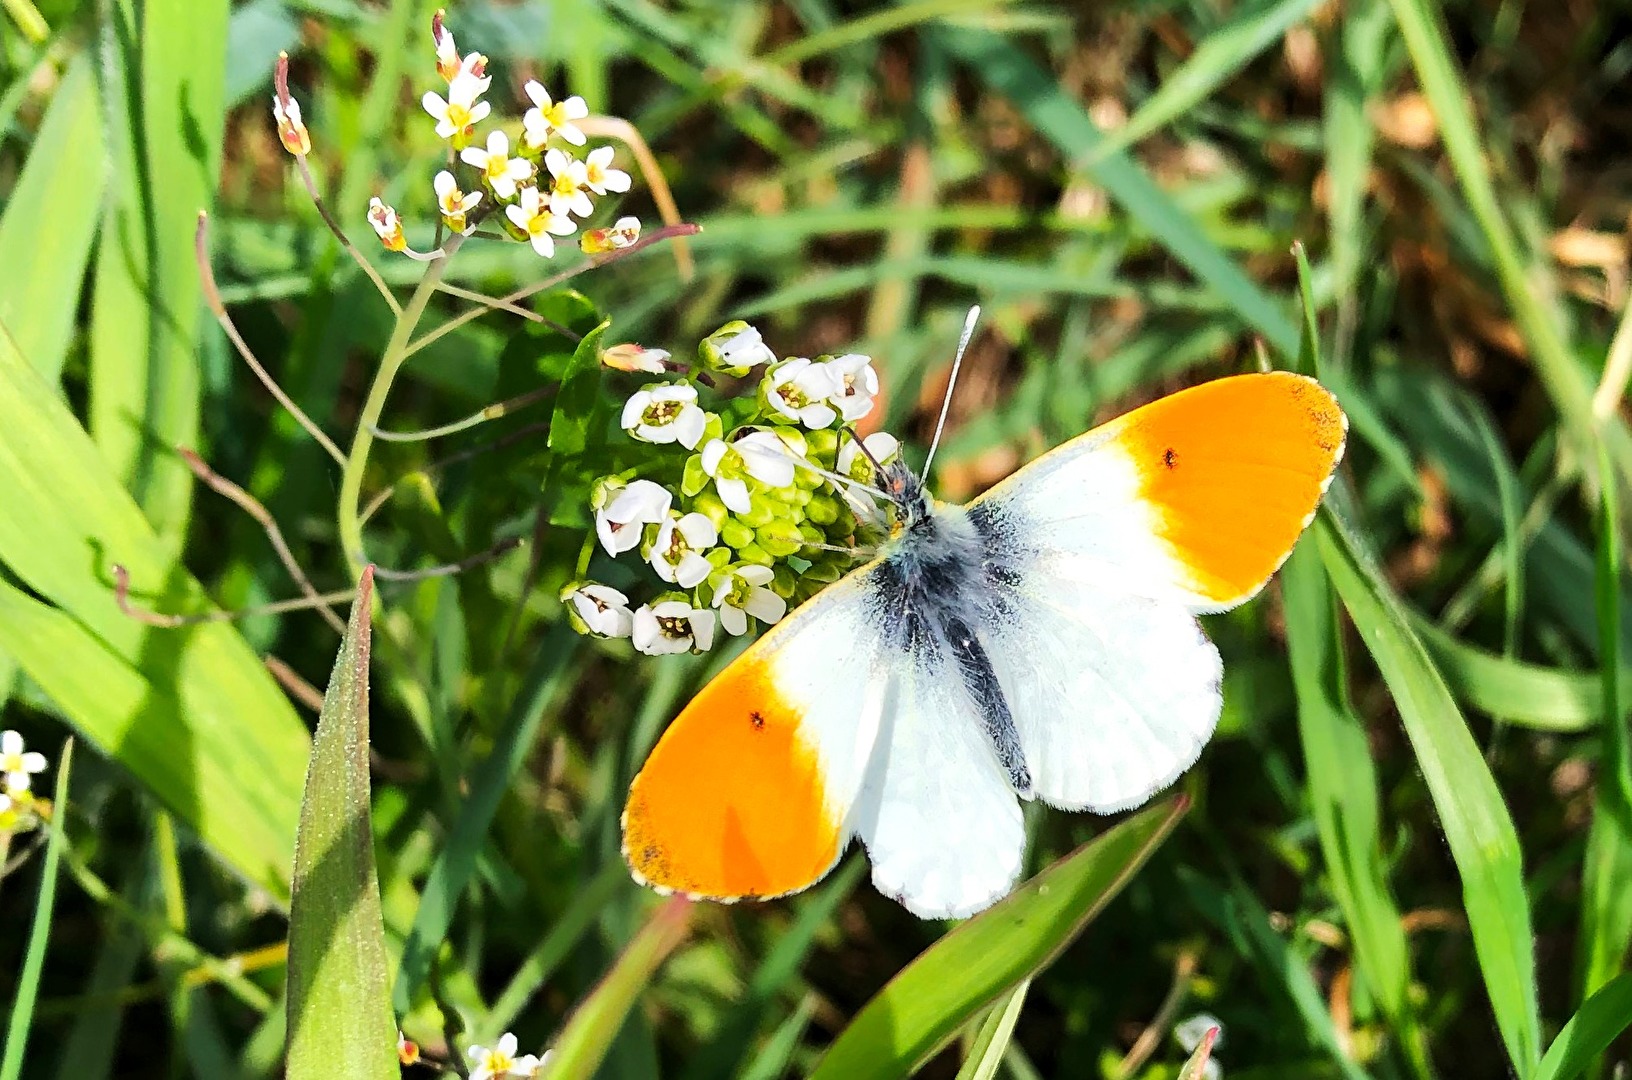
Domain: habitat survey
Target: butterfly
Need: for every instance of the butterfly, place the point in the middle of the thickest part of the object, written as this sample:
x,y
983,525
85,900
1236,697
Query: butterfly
x,y
1040,642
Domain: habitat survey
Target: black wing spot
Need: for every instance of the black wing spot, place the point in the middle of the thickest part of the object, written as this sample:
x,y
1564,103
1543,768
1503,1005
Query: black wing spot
x,y
1169,458
757,720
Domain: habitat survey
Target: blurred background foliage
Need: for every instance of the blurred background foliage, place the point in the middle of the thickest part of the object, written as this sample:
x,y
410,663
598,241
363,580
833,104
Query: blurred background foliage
x,y
1120,185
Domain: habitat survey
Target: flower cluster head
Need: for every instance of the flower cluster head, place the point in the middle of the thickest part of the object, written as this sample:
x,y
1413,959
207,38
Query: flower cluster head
x,y
540,189
19,808
740,509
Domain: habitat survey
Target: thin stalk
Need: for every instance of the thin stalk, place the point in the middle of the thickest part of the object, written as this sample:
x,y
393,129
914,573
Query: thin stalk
x,y
480,416
345,241
397,350
615,127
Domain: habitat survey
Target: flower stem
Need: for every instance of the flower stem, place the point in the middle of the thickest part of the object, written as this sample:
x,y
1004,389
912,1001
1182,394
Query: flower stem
x,y
396,351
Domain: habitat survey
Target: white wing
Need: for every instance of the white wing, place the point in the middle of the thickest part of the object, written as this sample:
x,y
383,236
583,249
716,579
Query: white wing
x,y
1113,695
939,819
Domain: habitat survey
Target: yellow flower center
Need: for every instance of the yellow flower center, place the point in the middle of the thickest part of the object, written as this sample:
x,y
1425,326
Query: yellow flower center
x,y
458,115
674,627
555,115
497,166
565,185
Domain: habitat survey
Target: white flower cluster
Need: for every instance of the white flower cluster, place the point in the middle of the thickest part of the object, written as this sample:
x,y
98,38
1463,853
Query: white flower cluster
x,y
499,1061
543,188
18,766
750,499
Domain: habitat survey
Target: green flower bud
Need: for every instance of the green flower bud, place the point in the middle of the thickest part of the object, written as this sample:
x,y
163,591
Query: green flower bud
x,y
736,534
780,538
709,505
812,534
753,553
761,511
694,479
720,557
784,581
823,443
823,509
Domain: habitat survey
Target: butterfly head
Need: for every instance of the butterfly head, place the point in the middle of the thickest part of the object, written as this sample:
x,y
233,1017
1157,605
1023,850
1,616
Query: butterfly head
x,y
906,494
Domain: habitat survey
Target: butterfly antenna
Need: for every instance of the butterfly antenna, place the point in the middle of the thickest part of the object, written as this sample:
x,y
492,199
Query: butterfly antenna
x,y
946,402
836,479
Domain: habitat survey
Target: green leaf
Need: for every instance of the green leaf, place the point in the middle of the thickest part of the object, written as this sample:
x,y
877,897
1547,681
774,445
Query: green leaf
x,y
1222,53
162,95
1595,1025
1548,699
1606,880
47,226
992,1040
934,996
579,413
190,712
589,1031
28,979
1061,120
340,1020
1477,826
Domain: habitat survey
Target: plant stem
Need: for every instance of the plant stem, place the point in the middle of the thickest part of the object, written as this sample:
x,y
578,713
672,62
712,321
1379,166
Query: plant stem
x,y
396,351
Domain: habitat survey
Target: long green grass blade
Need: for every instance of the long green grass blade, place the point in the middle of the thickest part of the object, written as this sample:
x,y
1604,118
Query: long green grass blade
x,y
1530,695
1606,885
590,1030
932,998
992,1040
48,227
1600,1021
1477,825
1220,55
339,1007
28,979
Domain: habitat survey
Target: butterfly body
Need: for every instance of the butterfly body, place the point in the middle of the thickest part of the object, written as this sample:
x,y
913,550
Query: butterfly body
x,y
1039,643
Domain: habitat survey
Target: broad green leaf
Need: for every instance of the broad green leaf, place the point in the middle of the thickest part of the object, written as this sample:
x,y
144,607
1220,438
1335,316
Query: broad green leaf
x,y
28,979
340,1019
48,226
1595,1025
1606,879
1471,811
1217,57
162,98
593,1026
190,712
1061,120
986,956
578,411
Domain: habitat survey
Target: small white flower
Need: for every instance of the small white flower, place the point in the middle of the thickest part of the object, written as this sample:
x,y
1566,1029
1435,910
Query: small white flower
x,y
534,217
547,117
621,234
665,414
455,204
734,348
677,553
799,390
881,445
1189,1032
758,454
672,626
600,175
621,521
604,610
501,171
461,111
17,764
387,226
858,385
490,1063
567,183
744,593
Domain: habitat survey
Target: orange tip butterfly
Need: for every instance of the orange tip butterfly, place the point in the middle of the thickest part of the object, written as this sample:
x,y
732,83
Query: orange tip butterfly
x,y
1040,642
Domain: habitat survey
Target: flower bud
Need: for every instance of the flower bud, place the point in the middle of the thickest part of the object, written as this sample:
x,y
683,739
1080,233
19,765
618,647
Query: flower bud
x,y
632,357
733,349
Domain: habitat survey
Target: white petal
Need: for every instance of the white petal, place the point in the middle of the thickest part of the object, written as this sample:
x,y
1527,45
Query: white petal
x,y
689,425
479,112
662,434
474,155
572,134
601,155
443,185
574,108
755,574
434,104
18,781
817,416
734,494
556,161
616,180
702,629
516,214
507,1045
882,445
644,501
692,571
645,631
544,244
734,621
11,742
33,761
535,90
498,144
504,187
713,451
634,407
698,530
766,606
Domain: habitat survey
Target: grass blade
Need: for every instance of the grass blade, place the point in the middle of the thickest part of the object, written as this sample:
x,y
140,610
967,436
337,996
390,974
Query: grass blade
x,y
28,979
1606,886
590,1030
992,1041
1599,1022
1225,51
954,979
340,1020
1476,822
